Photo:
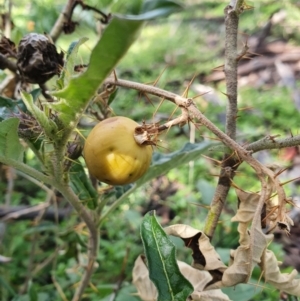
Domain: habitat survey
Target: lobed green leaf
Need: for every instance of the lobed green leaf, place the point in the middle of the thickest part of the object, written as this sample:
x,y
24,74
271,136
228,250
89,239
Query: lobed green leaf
x,y
10,146
8,105
48,125
68,70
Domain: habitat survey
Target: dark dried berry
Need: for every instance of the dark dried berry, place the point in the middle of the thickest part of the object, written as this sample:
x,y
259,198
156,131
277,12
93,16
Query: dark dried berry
x,y
69,27
7,47
74,150
29,128
38,59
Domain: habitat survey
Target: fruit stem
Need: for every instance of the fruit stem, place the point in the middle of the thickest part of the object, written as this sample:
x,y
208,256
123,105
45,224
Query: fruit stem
x,y
146,134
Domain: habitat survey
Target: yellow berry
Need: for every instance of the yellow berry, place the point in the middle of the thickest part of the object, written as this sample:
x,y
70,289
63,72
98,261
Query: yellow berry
x,y
112,155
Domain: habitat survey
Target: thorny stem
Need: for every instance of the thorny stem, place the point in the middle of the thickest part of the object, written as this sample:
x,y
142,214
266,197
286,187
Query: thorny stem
x,y
27,170
229,164
270,142
244,155
188,104
230,69
63,18
66,17
176,99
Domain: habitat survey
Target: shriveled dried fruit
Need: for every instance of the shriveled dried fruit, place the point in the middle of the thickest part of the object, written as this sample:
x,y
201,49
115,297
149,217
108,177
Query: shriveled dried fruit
x,y
29,128
7,47
38,59
111,153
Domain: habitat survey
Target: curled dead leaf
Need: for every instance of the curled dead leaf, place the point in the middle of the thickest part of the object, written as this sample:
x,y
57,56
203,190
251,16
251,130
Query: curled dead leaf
x,y
282,281
204,254
247,206
199,280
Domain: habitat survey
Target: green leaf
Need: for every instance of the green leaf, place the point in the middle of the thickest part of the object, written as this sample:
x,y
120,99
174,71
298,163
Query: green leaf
x,y
162,163
5,285
82,186
40,297
149,5
207,191
114,43
120,190
32,292
241,292
47,227
10,146
68,69
8,105
112,96
8,102
158,8
48,125
126,293
161,257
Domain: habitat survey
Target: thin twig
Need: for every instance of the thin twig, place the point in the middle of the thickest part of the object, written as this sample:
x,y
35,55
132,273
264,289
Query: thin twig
x,y
7,63
268,142
59,289
189,105
230,69
7,25
19,213
229,163
61,20
177,99
272,143
90,222
25,211
46,262
65,18
35,235
10,176
121,277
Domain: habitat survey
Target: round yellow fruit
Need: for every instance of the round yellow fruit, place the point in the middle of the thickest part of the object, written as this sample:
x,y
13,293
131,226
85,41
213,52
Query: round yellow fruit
x,y
111,153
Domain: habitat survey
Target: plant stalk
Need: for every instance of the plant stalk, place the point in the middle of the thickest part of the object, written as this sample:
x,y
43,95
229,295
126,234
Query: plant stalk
x,y
90,222
230,163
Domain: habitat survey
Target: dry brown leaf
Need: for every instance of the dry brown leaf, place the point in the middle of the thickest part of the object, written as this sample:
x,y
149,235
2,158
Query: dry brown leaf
x,y
243,260
140,278
282,281
211,295
247,206
260,243
275,215
248,254
199,279
204,254
238,272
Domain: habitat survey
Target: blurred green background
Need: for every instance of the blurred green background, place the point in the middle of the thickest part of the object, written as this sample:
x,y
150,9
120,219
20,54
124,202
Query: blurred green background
x,y
175,53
